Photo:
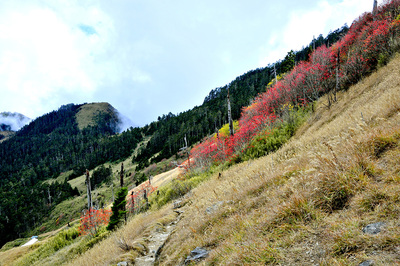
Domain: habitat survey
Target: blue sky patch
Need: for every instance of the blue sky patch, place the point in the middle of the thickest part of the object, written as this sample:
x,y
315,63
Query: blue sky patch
x,y
88,30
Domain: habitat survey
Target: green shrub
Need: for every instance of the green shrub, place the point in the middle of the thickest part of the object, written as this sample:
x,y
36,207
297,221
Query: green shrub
x,y
270,141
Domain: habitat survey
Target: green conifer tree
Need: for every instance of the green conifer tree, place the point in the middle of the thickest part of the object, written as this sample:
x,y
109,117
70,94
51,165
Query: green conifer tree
x,y
118,209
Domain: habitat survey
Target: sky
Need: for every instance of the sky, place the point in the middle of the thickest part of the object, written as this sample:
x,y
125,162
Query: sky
x,y
148,57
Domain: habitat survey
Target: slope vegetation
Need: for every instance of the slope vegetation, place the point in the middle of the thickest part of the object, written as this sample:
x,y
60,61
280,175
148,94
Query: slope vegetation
x,y
89,115
309,203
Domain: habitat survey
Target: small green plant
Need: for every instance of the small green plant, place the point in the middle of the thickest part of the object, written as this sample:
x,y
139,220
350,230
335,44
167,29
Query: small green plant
x,y
383,59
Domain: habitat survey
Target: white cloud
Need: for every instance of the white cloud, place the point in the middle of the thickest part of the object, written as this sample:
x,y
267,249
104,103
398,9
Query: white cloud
x,y
303,24
140,76
14,120
44,55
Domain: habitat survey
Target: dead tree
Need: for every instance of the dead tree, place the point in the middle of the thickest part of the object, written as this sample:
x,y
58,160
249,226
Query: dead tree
x,y
230,115
132,203
146,198
89,190
375,9
48,190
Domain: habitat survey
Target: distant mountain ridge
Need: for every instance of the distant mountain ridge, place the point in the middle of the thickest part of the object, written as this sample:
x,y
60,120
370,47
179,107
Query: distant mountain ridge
x,y
88,115
12,121
73,138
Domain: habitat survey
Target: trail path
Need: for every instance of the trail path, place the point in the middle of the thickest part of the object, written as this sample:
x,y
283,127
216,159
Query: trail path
x,y
159,180
156,242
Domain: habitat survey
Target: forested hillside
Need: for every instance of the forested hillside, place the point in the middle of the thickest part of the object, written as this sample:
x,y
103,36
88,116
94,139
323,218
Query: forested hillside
x,y
48,146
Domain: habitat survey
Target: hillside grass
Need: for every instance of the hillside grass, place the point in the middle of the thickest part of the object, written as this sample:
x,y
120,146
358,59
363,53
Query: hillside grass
x,y
128,242
305,204
88,112
308,203
6,135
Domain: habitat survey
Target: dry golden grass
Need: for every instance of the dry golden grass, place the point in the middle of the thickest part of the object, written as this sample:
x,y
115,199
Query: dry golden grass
x,y
137,230
8,257
308,202
87,113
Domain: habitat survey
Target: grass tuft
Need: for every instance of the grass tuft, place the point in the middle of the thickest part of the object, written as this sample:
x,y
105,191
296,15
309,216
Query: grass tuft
x,y
298,210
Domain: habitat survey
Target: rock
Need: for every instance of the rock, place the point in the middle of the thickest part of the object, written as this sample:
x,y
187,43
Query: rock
x,y
374,228
366,263
196,255
214,207
177,204
179,212
122,263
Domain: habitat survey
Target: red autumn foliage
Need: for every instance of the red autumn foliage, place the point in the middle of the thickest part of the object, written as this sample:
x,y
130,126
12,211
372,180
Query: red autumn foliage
x,y
92,220
355,55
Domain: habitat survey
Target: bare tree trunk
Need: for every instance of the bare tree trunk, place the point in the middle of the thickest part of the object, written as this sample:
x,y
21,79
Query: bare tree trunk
x,y
230,116
89,190
48,190
375,9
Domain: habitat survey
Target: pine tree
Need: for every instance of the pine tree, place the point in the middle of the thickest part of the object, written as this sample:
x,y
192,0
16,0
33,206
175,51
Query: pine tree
x,y
118,209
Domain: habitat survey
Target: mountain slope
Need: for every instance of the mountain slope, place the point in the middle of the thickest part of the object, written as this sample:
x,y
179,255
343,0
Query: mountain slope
x,y
90,114
170,130
48,146
306,204
309,202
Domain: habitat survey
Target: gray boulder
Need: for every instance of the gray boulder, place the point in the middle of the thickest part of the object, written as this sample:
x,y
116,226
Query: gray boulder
x,y
374,228
196,255
366,263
